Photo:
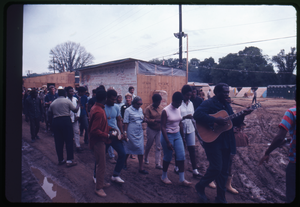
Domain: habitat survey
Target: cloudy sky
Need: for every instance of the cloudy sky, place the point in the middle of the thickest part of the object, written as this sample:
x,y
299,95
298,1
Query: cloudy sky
x,y
112,32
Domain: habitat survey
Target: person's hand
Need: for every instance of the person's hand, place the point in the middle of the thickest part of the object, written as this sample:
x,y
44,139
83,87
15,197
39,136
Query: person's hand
x,y
221,121
113,133
125,136
170,146
264,158
76,118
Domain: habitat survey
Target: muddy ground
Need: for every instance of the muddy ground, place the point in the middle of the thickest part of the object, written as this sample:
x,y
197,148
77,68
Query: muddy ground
x,y
44,181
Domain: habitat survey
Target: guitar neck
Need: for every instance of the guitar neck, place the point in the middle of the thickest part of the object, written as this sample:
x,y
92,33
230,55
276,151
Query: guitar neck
x,y
232,116
255,106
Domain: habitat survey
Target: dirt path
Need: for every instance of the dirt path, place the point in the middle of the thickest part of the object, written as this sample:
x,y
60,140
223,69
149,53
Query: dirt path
x,y
258,184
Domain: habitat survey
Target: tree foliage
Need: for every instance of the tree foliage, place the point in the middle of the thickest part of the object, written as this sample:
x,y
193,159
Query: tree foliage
x,y
69,56
286,63
248,67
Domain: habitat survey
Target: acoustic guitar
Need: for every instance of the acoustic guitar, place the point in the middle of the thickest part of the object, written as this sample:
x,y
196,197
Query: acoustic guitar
x,y
209,135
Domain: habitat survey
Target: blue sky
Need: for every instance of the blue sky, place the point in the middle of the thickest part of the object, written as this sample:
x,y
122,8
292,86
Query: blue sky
x,y
112,32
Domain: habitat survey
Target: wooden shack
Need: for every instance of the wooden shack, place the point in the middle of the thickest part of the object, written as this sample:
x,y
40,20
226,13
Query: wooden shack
x,y
145,77
56,79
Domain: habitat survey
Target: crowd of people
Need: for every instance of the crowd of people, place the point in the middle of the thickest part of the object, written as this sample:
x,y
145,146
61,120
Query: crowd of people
x,y
112,125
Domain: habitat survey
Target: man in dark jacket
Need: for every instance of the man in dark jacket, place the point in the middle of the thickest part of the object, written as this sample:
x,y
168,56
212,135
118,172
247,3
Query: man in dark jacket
x,y
34,112
217,152
49,98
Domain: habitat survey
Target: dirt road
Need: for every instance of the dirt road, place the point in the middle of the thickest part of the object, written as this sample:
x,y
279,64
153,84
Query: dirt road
x,y
44,181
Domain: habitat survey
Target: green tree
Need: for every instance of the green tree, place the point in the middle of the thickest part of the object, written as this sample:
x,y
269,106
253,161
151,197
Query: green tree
x,y
204,69
245,68
286,63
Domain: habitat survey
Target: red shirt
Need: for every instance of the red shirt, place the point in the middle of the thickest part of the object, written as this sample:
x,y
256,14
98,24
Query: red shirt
x,y
98,127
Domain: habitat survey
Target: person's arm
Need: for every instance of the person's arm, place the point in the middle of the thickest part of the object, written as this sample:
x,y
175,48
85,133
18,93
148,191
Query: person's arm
x,y
163,129
182,133
77,114
95,129
147,116
125,122
73,108
277,141
47,101
120,126
86,109
202,116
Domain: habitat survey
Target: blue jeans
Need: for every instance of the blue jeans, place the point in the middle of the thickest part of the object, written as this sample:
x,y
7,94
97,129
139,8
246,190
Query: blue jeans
x,y
118,146
177,143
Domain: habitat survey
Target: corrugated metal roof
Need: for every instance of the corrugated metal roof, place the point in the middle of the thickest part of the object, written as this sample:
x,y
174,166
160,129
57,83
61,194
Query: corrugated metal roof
x,y
116,62
108,63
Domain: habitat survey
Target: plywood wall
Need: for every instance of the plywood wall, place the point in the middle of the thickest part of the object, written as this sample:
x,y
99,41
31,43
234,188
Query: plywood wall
x,y
59,79
147,84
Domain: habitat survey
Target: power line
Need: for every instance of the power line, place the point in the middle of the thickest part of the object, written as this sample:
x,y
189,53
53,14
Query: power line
x,y
111,26
242,43
244,24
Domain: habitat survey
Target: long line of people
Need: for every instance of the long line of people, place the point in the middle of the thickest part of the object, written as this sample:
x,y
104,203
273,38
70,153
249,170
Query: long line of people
x,y
111,125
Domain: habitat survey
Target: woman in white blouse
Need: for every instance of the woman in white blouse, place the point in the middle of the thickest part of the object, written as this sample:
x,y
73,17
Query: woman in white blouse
x,y
187,111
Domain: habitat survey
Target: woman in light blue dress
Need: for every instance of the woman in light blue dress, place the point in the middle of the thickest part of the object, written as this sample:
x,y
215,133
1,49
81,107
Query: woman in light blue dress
x,y
133,119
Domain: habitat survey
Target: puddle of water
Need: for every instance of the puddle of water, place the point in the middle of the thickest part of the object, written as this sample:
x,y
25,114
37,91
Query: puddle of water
x,y
53,190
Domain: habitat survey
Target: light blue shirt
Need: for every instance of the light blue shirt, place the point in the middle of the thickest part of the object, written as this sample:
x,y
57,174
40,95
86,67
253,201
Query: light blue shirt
x,y
112,112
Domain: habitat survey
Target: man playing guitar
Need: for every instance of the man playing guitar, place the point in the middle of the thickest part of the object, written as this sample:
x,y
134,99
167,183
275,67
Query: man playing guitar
x,y
217,151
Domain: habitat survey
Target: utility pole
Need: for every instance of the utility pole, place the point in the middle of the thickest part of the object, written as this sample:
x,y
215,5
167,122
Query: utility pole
x,y
180,37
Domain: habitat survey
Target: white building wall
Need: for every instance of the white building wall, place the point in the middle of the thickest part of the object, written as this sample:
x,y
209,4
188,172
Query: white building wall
x,y
120,77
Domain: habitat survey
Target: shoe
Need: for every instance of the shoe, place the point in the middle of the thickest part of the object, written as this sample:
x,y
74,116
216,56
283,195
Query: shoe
x,y
112,160
166,181
100,193
71,164
32,140
185,183
201,193
94,179
146,161
212,185
158,167
61,162
220,200
197,175
117,179
145,172
37,137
